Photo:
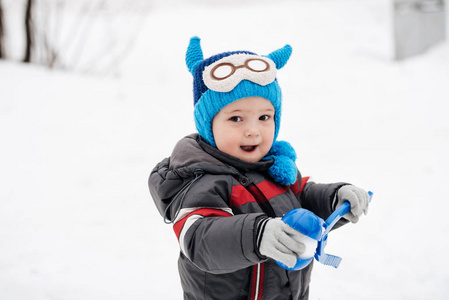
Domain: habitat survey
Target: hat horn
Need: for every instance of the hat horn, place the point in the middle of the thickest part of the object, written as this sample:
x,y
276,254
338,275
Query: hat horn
x,y
194,54
281,56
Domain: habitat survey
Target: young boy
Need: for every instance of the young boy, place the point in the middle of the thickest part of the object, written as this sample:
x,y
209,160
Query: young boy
x,y
225,188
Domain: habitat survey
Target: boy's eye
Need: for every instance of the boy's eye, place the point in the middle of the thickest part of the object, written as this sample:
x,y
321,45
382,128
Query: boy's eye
x,y
264,117
235,119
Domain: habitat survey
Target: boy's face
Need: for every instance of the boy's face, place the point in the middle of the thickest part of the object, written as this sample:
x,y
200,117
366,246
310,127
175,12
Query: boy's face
x,y
245,128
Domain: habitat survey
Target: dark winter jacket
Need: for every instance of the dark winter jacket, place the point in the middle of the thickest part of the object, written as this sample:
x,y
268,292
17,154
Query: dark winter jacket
x,y
214,201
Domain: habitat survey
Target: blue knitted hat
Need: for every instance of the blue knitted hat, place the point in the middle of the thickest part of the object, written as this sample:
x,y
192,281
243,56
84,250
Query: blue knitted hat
x,y
229,76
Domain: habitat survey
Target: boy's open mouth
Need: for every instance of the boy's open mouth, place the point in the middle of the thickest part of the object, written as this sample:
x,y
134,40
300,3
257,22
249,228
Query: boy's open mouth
x,y
248,148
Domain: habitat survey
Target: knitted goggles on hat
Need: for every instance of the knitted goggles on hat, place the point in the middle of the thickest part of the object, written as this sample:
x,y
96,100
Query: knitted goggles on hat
x,y
226,77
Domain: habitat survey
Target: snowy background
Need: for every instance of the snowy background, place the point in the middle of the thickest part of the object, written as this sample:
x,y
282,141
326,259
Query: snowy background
x,y
76,218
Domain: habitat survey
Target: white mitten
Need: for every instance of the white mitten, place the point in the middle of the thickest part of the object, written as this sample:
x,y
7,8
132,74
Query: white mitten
x,y
357,198
279,241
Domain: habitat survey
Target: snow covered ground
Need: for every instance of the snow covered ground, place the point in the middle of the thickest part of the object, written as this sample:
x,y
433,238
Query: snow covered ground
x,y
76,218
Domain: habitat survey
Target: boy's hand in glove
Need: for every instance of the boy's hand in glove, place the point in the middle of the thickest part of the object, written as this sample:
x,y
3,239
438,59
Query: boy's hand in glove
x,y
357,198
277,240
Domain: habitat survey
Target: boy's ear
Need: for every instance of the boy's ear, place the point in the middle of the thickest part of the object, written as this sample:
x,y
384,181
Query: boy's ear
x,y
194,54
281,56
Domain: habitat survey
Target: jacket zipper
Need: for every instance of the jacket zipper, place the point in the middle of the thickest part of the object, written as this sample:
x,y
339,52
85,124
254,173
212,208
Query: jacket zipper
x,y
257,282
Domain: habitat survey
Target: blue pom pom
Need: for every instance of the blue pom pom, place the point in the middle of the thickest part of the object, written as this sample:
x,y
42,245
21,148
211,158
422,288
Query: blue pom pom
x,y
283,170
283,148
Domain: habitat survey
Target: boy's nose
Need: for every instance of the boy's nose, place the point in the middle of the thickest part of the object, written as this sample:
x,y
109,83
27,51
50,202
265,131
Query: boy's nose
x,y
251,132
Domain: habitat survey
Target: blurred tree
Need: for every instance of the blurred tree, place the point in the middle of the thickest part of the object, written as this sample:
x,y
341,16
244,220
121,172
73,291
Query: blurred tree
x,y
2,33
29,31
88,36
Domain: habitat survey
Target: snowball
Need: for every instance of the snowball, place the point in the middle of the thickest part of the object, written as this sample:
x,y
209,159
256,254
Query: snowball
x,y
310,244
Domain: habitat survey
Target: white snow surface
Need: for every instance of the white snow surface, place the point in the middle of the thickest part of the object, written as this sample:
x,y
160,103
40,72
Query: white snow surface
x,y
77,220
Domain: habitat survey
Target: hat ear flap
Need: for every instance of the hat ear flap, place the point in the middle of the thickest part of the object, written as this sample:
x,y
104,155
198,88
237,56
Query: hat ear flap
x,y
281,56
194,54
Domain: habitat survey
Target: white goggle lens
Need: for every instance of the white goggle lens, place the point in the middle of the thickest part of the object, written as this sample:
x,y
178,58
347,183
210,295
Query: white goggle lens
x,y
257,65
222,71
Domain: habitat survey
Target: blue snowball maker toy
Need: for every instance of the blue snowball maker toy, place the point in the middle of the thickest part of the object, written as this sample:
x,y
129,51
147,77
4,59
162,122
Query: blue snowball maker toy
x,y
315,231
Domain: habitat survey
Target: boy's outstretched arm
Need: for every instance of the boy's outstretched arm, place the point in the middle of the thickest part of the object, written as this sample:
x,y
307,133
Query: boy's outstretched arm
x,y
323,199
319,198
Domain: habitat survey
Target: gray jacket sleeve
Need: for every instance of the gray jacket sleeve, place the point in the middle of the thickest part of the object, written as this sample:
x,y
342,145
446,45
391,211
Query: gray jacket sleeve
x,y
209,234
223,244
319,198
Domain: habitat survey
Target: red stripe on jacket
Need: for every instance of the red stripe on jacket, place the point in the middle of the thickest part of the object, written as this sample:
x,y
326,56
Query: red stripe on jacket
x,y
240,196
257,281
297,188
261,193
303,183
204,212
271,189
